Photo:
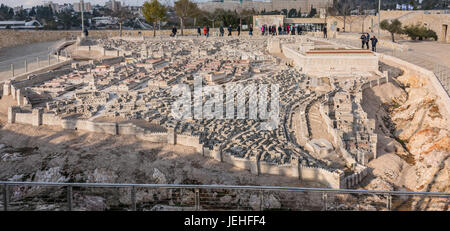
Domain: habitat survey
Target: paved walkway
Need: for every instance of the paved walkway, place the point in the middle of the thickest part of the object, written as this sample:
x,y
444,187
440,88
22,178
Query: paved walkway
x,y
17,55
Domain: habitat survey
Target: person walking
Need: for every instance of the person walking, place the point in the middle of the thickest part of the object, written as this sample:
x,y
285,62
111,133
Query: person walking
x,y
207,31
279,29
250,30
239,29
222,31
262,30
199,32
325,32
204,30
363,40
374,43
229,30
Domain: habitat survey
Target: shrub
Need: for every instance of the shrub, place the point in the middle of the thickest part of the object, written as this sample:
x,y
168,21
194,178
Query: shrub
x,y
420,32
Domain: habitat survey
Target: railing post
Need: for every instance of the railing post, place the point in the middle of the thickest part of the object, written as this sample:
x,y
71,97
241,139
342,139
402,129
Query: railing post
x,y
389,202
197,199
12,69
133,198
324,199
5,197
261,197
69,198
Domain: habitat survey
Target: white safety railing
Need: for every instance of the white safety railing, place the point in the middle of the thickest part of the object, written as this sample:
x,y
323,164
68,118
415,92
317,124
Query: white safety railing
x,y
104,196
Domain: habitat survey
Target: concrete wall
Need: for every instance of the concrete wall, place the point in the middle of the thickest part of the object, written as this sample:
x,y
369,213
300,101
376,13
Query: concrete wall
x,y
433,21
9,38
434,85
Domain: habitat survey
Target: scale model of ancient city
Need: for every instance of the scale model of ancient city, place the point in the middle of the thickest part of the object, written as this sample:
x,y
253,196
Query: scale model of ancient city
x,y
348,118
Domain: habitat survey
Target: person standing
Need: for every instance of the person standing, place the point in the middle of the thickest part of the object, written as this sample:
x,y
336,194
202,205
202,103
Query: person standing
x,y
374,43
367,41
262,30
204,30
222,31
279,29
207,31
250,30
229,30
239,30
363,40
174,31
325,32
199,32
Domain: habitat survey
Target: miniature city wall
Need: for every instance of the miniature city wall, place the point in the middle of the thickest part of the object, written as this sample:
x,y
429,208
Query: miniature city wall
x,y
254,165
16,88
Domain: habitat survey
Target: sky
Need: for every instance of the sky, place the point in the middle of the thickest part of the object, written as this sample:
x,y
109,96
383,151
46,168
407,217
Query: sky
x,y
30,3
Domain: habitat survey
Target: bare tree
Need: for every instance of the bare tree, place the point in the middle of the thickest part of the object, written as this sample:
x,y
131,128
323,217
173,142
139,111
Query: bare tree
x,y
122,15
343,8
185,9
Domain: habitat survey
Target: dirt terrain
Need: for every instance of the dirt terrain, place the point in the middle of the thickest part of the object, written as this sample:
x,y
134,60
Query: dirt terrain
x,y
413,140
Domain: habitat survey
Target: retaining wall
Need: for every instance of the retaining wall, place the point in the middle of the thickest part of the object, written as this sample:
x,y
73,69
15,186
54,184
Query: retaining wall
x,y
434,85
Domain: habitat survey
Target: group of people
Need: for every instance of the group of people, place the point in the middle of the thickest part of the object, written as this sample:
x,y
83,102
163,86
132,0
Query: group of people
x,y
205,31
365,38
281,30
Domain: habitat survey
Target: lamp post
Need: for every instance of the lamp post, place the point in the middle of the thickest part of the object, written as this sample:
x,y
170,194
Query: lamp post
x,y
379,16
82,18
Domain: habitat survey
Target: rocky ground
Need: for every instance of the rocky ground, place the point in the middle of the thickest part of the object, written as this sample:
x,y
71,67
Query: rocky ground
x,y
413,141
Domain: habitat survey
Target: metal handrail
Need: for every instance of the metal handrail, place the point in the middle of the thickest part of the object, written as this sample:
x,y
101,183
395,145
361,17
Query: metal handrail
x,y
247,187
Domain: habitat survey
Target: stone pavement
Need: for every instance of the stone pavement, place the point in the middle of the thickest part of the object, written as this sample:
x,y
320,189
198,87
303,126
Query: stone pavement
x,y
430,55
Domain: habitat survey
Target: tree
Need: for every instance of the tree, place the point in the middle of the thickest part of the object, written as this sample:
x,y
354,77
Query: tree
x,y
343,8
394,27
154,12
292,13
122,14
419,31
312,13
185,9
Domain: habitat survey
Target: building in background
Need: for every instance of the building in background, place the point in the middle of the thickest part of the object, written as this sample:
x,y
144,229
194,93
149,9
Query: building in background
x,y
113,5
303,6
87,7
53,6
